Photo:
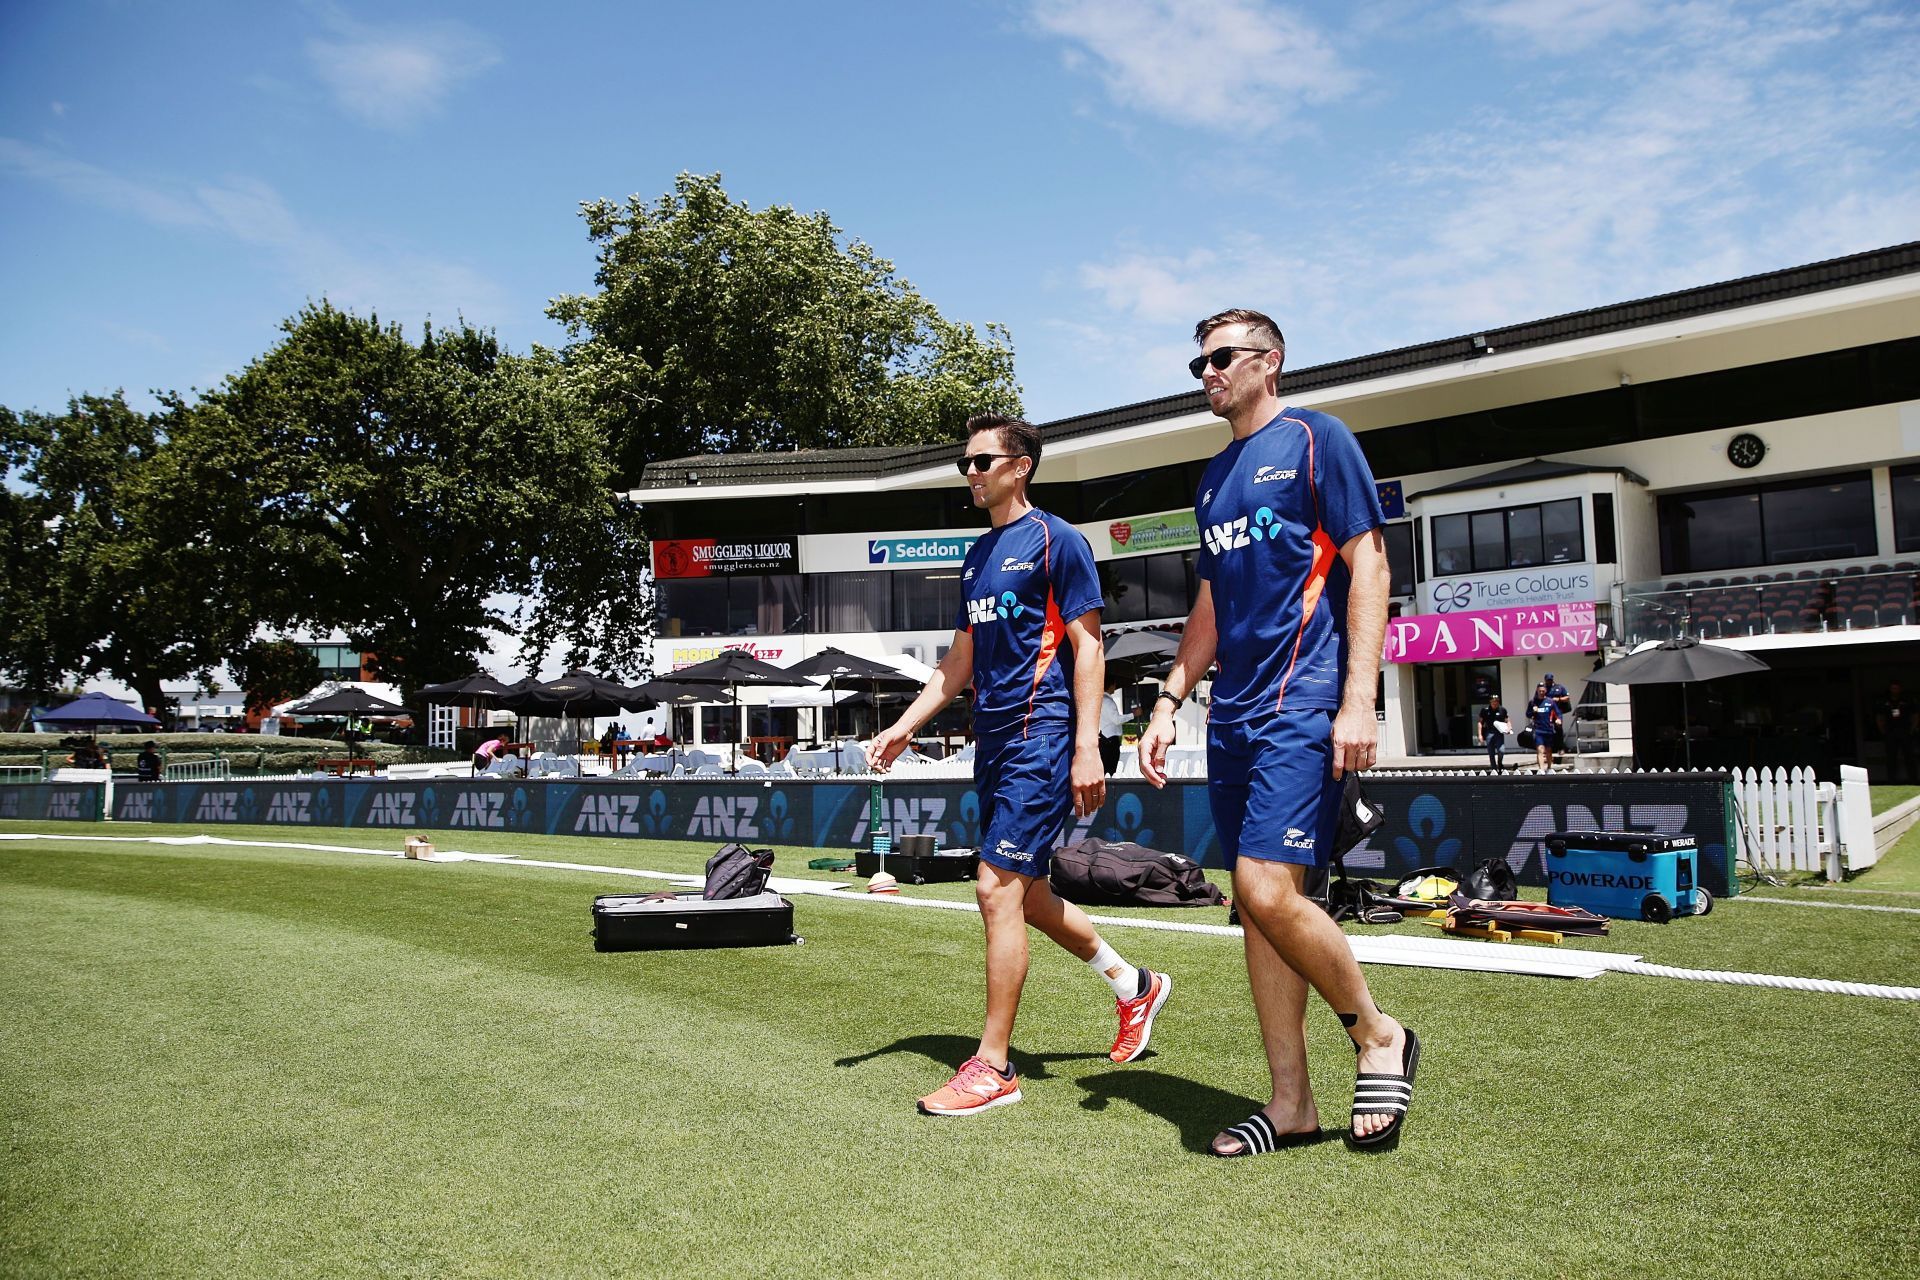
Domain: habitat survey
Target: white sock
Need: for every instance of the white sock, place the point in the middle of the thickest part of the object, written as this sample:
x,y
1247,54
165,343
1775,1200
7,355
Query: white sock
x,y
1121,976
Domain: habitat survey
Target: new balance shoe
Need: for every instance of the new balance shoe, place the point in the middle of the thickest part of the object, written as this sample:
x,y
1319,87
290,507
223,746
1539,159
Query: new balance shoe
x,y
975,1087
1136,1017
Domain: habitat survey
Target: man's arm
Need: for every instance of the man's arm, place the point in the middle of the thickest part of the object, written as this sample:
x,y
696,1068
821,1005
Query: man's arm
x,y
1089,693
1198,640
948,679
1355,732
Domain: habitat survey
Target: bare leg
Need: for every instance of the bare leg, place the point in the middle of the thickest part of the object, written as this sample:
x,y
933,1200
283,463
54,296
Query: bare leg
x,y
1002,895
1060,920
1280,1001
1305,939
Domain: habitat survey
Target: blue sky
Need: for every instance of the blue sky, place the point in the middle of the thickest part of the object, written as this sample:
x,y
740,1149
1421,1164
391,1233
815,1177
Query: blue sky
x,y
1096,174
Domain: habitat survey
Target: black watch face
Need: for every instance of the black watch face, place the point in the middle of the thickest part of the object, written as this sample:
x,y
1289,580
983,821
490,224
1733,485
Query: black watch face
x,y
1746,450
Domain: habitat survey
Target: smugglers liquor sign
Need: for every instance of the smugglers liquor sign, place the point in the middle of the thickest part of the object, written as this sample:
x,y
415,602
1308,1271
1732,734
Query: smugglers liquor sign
x,y
715,557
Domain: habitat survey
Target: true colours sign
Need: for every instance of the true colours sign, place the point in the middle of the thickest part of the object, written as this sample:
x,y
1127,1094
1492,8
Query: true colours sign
x,y
1491,633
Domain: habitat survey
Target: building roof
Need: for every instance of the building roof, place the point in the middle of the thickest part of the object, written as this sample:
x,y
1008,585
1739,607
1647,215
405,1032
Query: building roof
x,y
1538,469
1818,277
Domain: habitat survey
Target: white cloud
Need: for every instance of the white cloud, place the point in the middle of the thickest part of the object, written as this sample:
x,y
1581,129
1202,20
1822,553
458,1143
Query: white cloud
x,y
1718,144
393,77
396,279
1563,26
1221,64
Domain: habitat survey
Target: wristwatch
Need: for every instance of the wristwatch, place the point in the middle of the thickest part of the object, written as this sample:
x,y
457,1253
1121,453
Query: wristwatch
x,y
1176,701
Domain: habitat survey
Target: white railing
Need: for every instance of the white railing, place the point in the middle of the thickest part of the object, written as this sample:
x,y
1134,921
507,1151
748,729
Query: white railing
x,y
1789,821
21,773
197,771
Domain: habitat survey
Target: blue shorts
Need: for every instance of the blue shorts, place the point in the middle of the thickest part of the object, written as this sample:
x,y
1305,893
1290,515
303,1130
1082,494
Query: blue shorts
x,y
1270,785
1026,792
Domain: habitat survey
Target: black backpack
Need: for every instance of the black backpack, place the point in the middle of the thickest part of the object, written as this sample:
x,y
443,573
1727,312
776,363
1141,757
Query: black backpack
x,y
738,872
1101,873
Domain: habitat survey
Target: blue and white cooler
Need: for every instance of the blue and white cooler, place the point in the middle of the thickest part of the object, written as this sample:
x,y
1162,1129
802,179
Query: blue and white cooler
x,y
1627,875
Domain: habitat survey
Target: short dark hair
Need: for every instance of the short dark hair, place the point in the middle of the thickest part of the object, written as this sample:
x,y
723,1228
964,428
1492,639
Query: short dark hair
x,y
1017,436
1260,327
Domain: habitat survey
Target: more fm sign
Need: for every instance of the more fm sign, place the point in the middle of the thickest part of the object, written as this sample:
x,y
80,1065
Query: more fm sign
x,y
1484,634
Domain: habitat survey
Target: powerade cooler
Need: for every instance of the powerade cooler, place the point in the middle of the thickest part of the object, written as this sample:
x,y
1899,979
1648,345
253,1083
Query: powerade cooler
x,y
1628,875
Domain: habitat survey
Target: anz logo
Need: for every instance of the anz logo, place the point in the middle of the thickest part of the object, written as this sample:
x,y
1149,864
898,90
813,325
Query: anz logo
x,y
1234,534
63,804
218,806
290,806
725,818
480,809
395,810
989,609
609,815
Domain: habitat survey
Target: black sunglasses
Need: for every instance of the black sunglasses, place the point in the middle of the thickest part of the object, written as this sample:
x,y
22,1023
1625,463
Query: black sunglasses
x,y
972,462
1219,358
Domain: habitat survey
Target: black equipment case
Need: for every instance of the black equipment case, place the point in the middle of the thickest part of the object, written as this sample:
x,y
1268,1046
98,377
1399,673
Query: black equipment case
x,y
657,922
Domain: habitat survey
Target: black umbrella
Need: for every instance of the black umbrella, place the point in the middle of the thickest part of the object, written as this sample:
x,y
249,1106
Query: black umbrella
x,y
96,709
348,701
1682,661
659,693
576,693
1142,644
734,668
838,665
473,692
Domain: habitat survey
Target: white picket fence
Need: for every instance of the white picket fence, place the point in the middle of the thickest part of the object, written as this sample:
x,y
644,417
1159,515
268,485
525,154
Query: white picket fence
x,y
1790,821
198,771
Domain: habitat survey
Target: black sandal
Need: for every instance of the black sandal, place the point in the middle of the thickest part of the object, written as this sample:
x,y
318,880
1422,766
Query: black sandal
x,y
1258,1137
1385,1094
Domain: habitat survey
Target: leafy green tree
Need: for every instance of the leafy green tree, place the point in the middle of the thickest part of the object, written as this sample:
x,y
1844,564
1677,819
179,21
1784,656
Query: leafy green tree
x,y
103,574
404,493
272,671
717,328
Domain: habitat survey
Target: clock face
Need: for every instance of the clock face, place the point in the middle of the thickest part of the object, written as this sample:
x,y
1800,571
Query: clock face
x,y
1746,450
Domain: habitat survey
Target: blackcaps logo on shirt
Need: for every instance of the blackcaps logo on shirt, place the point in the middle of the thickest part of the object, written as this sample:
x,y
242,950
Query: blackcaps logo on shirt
x,y
1238,533
1011,565
1266,475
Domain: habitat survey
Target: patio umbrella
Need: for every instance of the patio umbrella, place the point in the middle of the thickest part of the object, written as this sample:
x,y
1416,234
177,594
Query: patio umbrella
x,y
837,665
662,693
349,701
732,669
576,693
1142,644
1682,660
473,692
91,709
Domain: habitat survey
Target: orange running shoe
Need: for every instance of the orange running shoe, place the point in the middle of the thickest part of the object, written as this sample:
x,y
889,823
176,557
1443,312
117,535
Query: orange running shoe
x,y
975,1087
1136,1017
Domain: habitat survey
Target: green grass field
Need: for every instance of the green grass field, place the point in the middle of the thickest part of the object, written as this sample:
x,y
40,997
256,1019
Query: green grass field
x,y
248,1061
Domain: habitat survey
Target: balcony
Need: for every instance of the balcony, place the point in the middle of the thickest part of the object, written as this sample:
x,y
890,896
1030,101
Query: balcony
x,y
1791,602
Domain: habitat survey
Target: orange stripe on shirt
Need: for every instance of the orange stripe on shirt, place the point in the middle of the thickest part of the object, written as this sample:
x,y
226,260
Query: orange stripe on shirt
x,y
1052,631
1323,553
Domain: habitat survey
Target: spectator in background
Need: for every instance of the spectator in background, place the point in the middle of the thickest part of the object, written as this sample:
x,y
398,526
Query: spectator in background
x,y
1543,721
1112,719
1563,703
492,749
1496,726
1895,720
148,763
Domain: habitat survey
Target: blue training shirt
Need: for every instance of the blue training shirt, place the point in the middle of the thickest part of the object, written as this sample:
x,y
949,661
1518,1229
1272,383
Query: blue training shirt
x,y
1274,510
1022,583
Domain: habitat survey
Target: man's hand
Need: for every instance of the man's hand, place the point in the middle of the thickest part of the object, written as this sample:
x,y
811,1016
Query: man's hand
x,y
1355,731
886,747
1089,780
1153,747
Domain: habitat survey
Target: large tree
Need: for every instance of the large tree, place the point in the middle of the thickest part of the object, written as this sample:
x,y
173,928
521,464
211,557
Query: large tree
x,y
408,493
718,328
107,569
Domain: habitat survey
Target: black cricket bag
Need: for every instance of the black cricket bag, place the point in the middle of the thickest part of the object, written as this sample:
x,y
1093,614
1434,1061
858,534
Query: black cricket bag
x,y
673,922
736,871
1102,873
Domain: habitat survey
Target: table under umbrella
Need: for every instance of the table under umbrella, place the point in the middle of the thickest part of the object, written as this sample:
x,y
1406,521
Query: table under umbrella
x,y
1682,660
733,669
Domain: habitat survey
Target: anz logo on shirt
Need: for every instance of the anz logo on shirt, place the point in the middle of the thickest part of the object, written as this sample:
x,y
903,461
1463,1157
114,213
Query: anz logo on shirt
x,y
989,609
1234,534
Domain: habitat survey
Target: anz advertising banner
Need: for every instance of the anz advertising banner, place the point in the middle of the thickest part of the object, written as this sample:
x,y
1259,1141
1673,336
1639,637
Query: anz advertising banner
x,y
52,801
1434,820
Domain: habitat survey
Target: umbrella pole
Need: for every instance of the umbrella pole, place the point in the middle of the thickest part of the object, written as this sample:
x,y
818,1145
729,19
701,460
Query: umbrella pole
x,y
834,718
1686,723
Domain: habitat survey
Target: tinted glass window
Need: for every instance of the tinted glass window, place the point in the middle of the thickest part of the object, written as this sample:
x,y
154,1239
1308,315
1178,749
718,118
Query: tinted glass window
x,y
1704,531
1906,508
1524,546
1399,539
1826,519
1167,589
1489,540
1124,584
691,606
852,601
1560,522
1603,543
925,600
1452,547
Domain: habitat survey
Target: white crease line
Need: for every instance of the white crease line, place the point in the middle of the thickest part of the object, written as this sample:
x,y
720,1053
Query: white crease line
x,y
1831,906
